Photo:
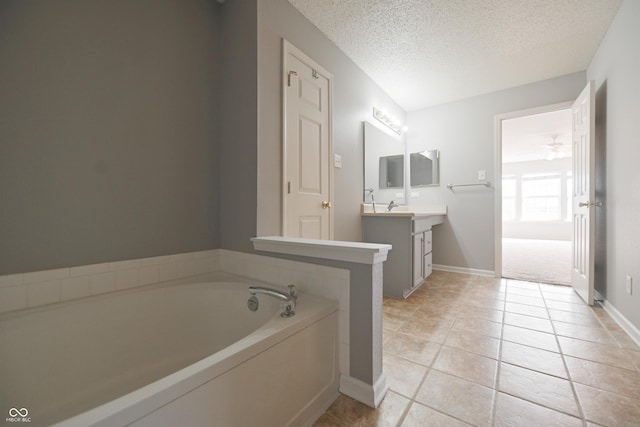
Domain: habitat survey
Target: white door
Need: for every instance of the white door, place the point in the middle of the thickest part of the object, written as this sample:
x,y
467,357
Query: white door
x,y
583,130
307,148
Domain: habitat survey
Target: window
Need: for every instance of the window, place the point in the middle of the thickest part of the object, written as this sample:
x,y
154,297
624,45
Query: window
x,y
541,197
509,198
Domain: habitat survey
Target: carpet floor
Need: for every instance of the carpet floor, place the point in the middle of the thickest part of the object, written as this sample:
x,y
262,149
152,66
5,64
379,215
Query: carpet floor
x,y
542,261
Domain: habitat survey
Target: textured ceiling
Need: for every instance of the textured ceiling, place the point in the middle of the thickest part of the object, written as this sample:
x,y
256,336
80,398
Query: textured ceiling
x,y
429,52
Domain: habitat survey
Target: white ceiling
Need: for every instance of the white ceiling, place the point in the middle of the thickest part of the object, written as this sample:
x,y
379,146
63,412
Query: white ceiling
x,y
429,52
528,138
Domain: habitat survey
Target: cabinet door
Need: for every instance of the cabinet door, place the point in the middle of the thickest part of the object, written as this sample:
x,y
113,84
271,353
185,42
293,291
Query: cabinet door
x,y
428,265
418,259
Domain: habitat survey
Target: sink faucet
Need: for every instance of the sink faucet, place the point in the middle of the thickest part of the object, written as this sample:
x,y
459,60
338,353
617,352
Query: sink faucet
x,y
392,205
370,191
288,299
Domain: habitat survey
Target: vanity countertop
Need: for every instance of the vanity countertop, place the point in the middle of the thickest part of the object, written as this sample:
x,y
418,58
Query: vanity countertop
x,y
404,211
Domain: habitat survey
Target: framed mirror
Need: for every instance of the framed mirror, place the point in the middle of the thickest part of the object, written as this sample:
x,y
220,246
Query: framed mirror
x,y
424,167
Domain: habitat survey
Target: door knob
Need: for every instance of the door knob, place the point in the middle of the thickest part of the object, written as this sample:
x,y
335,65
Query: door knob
x,y
326,205
596,204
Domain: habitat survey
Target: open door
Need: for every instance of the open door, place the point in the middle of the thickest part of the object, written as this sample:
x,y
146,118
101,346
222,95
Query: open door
x,y
583,215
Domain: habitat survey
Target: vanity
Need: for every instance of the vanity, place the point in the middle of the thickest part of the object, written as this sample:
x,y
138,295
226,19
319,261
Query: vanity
x,y
410,233
391,174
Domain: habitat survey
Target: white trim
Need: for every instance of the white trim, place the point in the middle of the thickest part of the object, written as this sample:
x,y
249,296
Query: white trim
x,y
498,170
619,318
361,253
463,270
368,394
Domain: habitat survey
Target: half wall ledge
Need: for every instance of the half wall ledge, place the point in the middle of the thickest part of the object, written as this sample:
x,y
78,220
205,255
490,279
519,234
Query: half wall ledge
x,y
361,253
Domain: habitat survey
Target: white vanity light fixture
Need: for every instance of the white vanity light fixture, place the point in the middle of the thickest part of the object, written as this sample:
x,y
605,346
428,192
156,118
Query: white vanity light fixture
x,y
389,121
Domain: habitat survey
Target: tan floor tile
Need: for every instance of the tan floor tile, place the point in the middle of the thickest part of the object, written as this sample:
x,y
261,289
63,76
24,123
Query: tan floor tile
x,y
529,322
479,326
423,416
604,377
474,343
635,357
542,389
484,293
393,321
525,292
429,329
527,310
403,376
349,412
531,338
608,409
533,358
586,333
625,341
485,303
583,319
578,307
524,299
482,313
471,367
461,399
608,355
514,412
410,347
327,420
562,297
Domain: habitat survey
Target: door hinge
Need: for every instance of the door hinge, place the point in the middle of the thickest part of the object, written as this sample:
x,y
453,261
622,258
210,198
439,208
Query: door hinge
x,y
289,187
291,73
314,73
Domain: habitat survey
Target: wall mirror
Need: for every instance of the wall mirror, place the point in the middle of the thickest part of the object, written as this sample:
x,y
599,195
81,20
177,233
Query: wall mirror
x,y
424,167
384,166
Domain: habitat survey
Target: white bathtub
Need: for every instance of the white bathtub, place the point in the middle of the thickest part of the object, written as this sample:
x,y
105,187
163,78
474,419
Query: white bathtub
x,y
185,354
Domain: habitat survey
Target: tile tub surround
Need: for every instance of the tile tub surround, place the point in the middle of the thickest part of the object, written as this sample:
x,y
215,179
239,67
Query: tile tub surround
x,y
481,360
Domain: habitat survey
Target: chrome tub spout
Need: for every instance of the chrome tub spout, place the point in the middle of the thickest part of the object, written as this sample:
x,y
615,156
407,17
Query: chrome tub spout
x,y
288,299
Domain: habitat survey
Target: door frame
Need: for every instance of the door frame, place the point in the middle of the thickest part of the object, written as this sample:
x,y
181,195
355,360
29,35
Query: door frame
x,y
287,48
498,170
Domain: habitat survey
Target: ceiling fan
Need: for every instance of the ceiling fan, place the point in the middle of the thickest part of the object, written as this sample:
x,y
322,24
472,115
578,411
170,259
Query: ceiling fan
x,y
558,149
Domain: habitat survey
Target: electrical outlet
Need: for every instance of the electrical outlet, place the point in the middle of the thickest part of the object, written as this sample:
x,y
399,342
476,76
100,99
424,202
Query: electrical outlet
x,y
415,194
337,161
482,175
629,284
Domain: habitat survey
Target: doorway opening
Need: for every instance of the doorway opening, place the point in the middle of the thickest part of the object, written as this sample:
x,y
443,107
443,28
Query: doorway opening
x,y
536,173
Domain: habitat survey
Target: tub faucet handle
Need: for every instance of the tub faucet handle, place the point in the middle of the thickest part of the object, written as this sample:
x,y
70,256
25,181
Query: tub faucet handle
x,y
293,292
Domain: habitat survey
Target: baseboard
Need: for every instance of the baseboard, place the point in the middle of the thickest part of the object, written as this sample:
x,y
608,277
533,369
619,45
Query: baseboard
x,y
370,395
464,270
622,321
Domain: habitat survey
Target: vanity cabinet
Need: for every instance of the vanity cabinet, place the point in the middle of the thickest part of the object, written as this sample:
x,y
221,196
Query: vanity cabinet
x,y
410,260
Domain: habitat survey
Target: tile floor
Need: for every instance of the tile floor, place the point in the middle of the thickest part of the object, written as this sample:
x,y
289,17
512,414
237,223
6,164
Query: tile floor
x,y
469,350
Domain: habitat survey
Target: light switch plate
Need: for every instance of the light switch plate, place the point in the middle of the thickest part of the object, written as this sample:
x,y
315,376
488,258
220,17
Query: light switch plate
x,y
482,175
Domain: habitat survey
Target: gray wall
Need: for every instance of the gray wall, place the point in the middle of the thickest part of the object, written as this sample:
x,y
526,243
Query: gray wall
x,y
355,95
107,130
615,69
464,133
238,124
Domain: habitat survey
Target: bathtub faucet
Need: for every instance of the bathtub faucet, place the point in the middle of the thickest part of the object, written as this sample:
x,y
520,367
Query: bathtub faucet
x,y
288,299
